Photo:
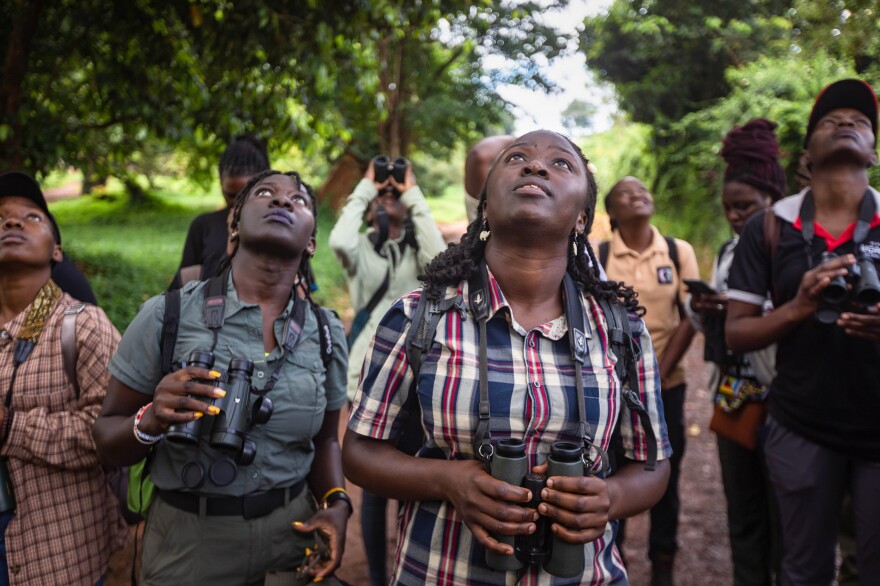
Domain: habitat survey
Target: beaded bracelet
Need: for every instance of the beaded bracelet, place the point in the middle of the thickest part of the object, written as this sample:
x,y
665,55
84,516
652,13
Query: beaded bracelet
x,y
140,436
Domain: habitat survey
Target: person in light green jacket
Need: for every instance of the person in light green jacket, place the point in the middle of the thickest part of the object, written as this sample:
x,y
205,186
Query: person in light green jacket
x,y
382,263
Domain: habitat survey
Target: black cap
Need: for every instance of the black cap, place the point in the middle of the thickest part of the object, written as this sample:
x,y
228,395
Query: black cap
x,y
23,185
846,93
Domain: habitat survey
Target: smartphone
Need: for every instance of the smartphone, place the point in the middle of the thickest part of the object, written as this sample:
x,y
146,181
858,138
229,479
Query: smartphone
x,y
699,287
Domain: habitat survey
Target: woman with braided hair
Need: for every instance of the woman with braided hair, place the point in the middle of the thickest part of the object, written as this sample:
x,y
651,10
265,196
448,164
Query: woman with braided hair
x,y
753,181
514,322
223,514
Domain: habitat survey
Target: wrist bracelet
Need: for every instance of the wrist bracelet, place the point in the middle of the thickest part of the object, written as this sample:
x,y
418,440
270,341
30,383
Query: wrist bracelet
x,y
337,494
140,436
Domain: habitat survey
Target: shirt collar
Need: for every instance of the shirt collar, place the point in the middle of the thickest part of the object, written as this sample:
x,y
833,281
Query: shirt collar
x,y
234,304
619,247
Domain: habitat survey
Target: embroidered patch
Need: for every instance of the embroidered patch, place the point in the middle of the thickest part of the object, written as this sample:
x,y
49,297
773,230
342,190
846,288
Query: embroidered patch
x,y
871,250
664,275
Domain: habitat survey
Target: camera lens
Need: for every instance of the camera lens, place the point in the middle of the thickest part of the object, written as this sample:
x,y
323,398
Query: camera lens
x,y
836,291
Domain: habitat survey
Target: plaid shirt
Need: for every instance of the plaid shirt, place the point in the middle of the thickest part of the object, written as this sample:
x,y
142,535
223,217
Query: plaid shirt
x,y
532,395
67,522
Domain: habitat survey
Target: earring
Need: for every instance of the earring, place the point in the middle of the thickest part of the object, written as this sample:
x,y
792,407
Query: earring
x,y
234,235
484,235
574,246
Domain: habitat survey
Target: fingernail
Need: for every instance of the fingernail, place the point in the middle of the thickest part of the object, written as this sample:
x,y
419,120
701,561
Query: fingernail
x,y
542,509
308,551
316,580
298,523
197,415
214,410
219,393
532,528
215,374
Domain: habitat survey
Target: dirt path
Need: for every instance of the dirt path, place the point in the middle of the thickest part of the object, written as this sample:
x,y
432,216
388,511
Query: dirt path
x,y
704,558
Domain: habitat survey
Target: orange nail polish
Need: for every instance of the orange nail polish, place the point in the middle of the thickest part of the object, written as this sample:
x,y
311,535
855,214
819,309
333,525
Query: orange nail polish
x,y
197,415
214,410
219,393
214,374
298,523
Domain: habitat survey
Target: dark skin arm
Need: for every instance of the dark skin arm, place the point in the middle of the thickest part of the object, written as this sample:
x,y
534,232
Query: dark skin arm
x,y
485,504
676,348
582,506
113,430
326,473
746,329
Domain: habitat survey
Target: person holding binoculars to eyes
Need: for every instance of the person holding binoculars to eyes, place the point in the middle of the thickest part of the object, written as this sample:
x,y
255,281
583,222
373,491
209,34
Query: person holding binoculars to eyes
x,y
242,429
516,390
381,264
816,253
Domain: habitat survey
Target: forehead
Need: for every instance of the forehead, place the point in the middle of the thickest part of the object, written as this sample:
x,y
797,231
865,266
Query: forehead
x,y
629,184
844,112
741,192
542,139
17,200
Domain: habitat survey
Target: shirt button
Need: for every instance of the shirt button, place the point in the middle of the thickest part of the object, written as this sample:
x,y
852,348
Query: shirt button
x,y
260,374
537,384
254,475
531,342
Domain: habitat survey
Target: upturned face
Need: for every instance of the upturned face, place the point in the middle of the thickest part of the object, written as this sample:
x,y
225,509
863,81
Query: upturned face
x,y
844,134
540,180
277,217
629,200
741,201
26,235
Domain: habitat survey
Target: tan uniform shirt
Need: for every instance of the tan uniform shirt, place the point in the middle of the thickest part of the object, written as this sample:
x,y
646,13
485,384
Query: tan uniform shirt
x,y
652,274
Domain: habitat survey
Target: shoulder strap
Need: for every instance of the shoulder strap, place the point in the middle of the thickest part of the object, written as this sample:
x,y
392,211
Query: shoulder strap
x,y
673,253
380,292
603,252
772,228
69,351
424,325
170,322
324,334
621,340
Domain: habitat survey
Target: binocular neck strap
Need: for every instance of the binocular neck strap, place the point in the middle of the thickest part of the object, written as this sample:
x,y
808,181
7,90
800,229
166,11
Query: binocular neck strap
x,y
216,289
478,292
293,328
867,210
382,232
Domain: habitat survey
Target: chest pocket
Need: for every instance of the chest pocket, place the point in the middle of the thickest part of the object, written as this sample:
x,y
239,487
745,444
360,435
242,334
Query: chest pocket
x,y
299,398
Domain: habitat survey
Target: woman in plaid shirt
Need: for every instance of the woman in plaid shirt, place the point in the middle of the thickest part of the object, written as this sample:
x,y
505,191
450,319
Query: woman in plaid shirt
x,y
535,214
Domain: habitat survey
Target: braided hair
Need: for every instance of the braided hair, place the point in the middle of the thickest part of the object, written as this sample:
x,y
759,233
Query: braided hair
x,y
244,155
461,260
752,156
304,272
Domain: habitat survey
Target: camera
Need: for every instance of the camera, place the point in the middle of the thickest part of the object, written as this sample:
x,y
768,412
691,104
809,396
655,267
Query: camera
x,y
384,167
859,288
559,557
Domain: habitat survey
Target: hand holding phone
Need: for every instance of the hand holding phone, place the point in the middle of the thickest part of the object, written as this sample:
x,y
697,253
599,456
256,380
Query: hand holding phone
x,y
697,287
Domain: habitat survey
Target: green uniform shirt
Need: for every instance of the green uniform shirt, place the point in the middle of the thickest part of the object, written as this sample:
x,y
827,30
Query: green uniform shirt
x,y
304,391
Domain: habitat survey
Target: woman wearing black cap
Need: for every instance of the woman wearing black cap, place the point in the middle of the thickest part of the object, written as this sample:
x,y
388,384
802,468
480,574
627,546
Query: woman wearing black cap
x,y
821,433
753,180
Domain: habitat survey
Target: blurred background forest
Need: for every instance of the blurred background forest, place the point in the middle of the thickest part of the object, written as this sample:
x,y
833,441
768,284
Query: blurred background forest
x,y
134,101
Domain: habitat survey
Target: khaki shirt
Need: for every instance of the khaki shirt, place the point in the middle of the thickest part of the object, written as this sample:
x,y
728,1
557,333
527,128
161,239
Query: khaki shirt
x,y
652,274
304,391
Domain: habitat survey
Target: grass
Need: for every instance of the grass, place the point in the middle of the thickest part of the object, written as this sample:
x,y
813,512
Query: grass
x,y
130,253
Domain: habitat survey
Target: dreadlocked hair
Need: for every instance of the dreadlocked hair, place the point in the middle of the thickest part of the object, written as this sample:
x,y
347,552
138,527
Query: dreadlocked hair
x,y
244,155
304,272
752,156
460,260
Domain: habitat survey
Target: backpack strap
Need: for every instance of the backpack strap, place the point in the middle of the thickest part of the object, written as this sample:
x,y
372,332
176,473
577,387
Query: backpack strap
x,y
603,252
621,341
69,351
170,323
424,325
772,229
673,256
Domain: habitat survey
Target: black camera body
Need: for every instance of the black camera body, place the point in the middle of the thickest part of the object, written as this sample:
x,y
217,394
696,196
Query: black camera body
x,y
384,167
559,557
855,291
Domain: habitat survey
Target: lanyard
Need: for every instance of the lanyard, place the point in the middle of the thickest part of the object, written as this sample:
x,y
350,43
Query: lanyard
x,y
867,209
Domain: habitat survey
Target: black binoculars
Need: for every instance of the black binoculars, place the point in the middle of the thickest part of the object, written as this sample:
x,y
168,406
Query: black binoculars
x,y
229,431
384,167
859,288
559,558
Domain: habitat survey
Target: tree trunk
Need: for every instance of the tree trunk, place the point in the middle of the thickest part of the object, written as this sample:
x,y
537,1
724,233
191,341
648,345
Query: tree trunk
x,y
341,180
14,70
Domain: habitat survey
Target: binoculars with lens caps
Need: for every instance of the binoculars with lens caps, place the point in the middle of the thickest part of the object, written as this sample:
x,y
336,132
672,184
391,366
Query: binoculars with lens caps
x,y
559,557
859,288
230,426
